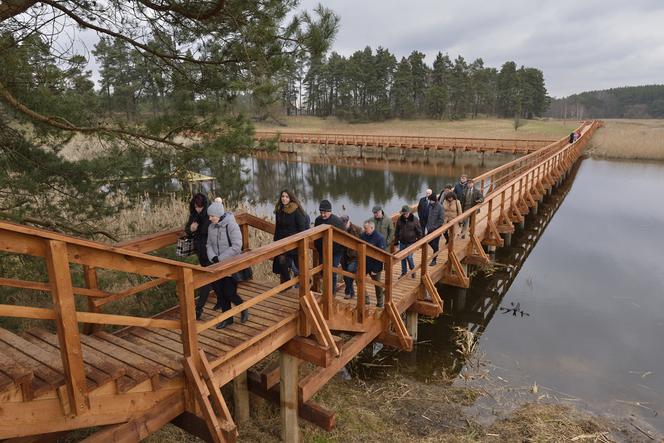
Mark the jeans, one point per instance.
(409, 259)
(434, 245)
(379, 290)
(350, 267)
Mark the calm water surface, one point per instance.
(590, 296)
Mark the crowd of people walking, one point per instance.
(216, 236)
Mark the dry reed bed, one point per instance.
(629, 140)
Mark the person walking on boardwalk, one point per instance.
(435, 221)
(408, 231)
(349, 258)
(451, 210)
(197, 228)
(383, 225)
(471, 197)
(326, 217)
(423, 210)
(448, 187)
(224, 241)
(374, 267)
(460, 186)
(290, 219)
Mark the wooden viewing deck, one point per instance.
(492, 145)
(170, 368)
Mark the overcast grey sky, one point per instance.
(580, 45)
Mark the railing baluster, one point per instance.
(91, 282)
(328, 290)
(64, 305)
(361, 279)
(388, 279)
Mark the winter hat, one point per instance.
(405, 209)
(344, 219)
(377, 208)
(325, 205)
(432, 198)
(216, 209)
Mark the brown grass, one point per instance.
(629, 139)
(482, 127)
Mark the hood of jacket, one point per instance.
(288, 209)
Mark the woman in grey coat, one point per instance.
(224, 241)
(434, 221)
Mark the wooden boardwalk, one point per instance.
(408, 142)
(170, 368)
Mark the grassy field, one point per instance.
(629, 140)
(482, 128)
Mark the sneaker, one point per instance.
(223, 324)
(244, 316)
(217, 308)
(348, 296)
(433, 262)
(402, 274)
(366, 301)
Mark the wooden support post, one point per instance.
(303, 251)
(64, 305)
(388, 279)
(361, 280)
(328, 290)
(244, 229)
(241, 398)
(189, 335)
(91, 282)
(288, 387)
(411, 324)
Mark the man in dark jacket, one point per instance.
(349, 259)
(435, 221)
(374, 267)
(460, 186)
(471, 197)
(326, 217)
(408, 231)
(383, 225)
(423, 210)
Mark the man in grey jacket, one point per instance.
(435, 221)
(224, 241)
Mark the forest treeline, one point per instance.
(374, 85)
(627, 102)
(366, 86)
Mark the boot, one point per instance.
(223, 324)
(244, 316)
(379, 299)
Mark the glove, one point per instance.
(215, 259)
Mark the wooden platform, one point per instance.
(134, 380)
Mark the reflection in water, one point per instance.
(352, 185)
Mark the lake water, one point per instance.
(579, 309)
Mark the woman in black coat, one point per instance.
(290, 219)
(197, 228)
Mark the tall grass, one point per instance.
(481, 127)
(629, 139)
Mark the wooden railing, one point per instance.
(408, 142)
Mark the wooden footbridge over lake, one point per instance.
(128, 382)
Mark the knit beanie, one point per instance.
(216, 209)
(325, 205)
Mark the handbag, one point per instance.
(184, 247)
(244, 274)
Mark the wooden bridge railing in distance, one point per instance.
(516, 146)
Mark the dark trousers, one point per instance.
(350, 267)
(434, 244)
(226, 290)
(423, 225)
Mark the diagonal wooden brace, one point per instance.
(404, 340)
(492, 236)
(453, 272)
(433, 292)
(315, 317)
(221, 431)
(475, 253)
